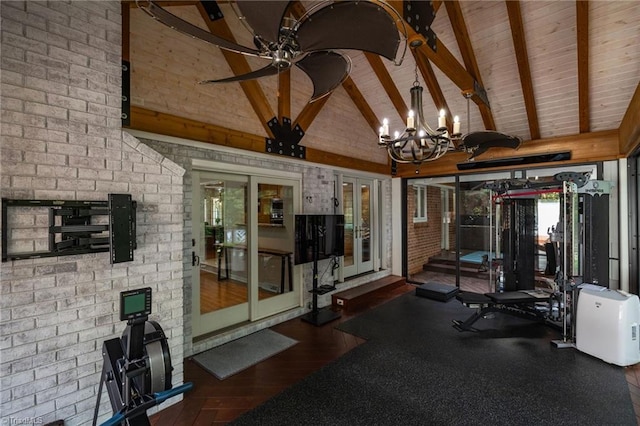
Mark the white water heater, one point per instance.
(607, 324)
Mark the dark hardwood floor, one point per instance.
(214, 402)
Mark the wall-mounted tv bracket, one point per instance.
(72, 229)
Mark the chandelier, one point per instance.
(419, 143)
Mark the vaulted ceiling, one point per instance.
(555, 73)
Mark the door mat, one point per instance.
(238, 355)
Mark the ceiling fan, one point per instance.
(309, 42)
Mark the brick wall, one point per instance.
(62, 139)
(423, 238)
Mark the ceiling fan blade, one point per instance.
(178, 24)
(358, 25)
(264, 17)
(262, 72)
(327, 70)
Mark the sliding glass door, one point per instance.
(220, 274)
(243, 229)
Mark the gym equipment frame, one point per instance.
(136, 367)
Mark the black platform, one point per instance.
(436, 291)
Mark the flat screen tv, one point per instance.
(326, 230)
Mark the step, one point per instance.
(451, 269)
(357, 296)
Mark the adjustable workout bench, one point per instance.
(521, 303)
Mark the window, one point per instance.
(420, 212)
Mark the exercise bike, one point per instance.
(136, 367)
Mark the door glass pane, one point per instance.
(349, 228)
(364, 230)
(223, 260)
(275, 236)
(477, 239)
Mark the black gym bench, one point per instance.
(523, 304)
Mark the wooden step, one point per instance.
(357, 296)
(446, 268)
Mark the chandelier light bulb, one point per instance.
(410, 120)
(442, 119)
(456, 125)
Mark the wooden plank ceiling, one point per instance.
(557, 74)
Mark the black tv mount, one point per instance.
(72, 230)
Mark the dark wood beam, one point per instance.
(166, 124)
(454, 11)
(630, 126)
(522, 58)
(444, 60)
(310, 112)
(584, 147)
(582, 33)
(284, 94)
(239, 65)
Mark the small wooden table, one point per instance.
(285, 259)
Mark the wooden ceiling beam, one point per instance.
(309, 113)
(522, 58)
(582, 33)
(239, 66)
(444, 60)
(166, 124)
(584, 147)
(388, 85)
(629, 140)
(284, 94)
(361, 104)
(454, 11)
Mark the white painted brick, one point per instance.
(44, 158)
(57, 393)
(35, 386)
(71, 352)
(47, 13)
(24, 93)
(22, 67)
(85, 162)
(18, 352)
(25, 43)
(94, 119)
(13, 380)
(57, 342)
(55, 368)
(33, 310)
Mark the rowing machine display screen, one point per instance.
(135, 304)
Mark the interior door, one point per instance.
(220, 274)
(357, 202)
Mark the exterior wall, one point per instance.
(62, 139)
(423, 238)
(317, 192)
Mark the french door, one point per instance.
(243, 229)
(358, 209)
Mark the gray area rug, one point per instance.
(231, 358)
(416, 369)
